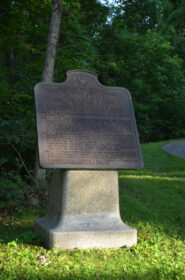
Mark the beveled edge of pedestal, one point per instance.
(115, 238)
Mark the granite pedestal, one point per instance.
(84, 212)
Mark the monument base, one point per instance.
(84, 212)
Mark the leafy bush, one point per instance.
(12, 190)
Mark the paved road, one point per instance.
(177, 149)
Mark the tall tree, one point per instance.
(49, 63)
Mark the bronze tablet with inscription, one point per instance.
(82, 124)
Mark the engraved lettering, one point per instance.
(86, 126)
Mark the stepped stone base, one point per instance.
(84, 212)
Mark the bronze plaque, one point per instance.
(82, 124)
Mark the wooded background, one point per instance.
(136, 44)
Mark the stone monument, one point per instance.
(86, 132)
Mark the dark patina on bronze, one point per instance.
(82, 124)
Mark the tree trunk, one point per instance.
(53, 36)
(48, 69)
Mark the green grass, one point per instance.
(151, 199)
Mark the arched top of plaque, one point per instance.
(83, 124)
(77, 71)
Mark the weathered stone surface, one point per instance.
(84, 125)
(84, 212)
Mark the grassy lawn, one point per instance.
(151, 199)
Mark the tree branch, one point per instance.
(21, 159)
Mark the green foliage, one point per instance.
(152, 68)
(11, 192)
(28, 237)
(151, 200)
(139, 45)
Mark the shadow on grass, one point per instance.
(154, 196)
(20, 227)
(18, 233)
(155, 200)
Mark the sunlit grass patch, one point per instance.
(141, 177)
